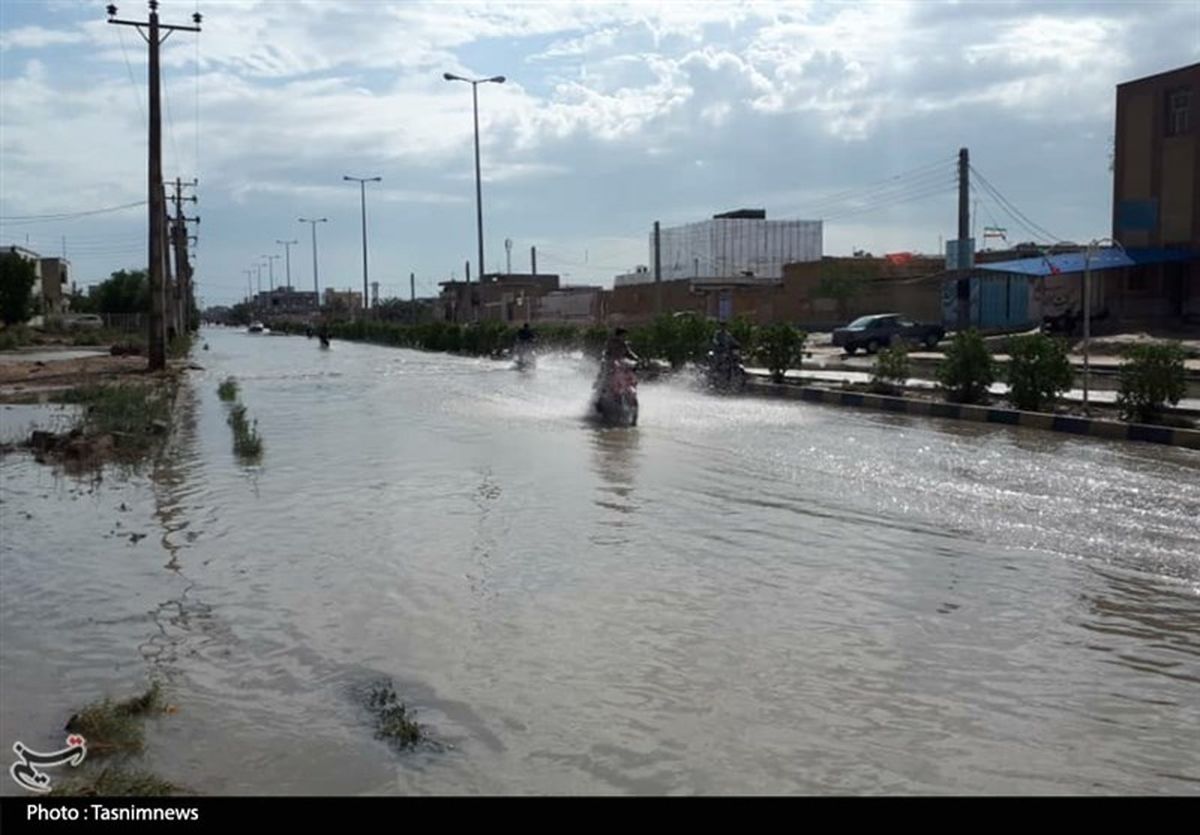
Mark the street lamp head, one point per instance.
(375, 179)
(449, 76)
(347, 178)
(196, 18)
(498, 79)
(112, 9)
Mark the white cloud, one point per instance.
(38, 37)
(604, 101)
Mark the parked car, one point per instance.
(81, 321)
(883, 330)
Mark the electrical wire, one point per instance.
(1011, 209)
(17, 220)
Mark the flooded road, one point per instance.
(738, 596)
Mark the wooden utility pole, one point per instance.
(154, 34)
(412, 296)
(183, 292)
(964, 205)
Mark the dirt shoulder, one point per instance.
(21, 379)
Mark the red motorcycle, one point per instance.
(615, 402)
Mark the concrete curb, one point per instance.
(1114, 430)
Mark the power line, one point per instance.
(136, 91)
(897, 181)
(170, 117)
(920, 194)
(1011, 209)
(23, 219)
(889, 198)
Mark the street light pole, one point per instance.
(1087, 312)
(362, 187)
(287, 259)
(496, 79)
(313, 223)
(271, 259)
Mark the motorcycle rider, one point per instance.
(617, 347)
(525, 340)
(723, 341)
(724, 349)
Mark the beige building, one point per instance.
(1156, 192)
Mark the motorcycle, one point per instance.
(724, 370)
(614, 401)
(525, 359)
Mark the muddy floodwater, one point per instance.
(737, 596)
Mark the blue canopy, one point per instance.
(1108, 258)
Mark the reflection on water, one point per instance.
(737, 596)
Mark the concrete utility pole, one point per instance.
(287, 259)
(362, 188)
(657, 271)
(313, 223)
(412, 296)
(249, 285)
(154, 37)
(533, 260)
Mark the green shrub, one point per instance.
(247, 443)
(1150, 377)
(228, 389)
(780, 347)
(1039, 371)
(891, 370)
(14, 336)
(746, 334)
(968, 369)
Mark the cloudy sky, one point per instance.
(613, 115)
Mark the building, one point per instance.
(815, 295)
(1156, 196)
(286, 301)
(581, 305)
(350, 300)
(499, 297)
(741, 243)
(51, 279)
(55, 279)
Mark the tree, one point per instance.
(780, 347)
(123, 292)
(891, 370)
(1038, 371)
(1150, 377)
(17, 277)
(968, 369)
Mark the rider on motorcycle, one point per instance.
(723, 341)
(617, 348)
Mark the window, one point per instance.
(1179, 111)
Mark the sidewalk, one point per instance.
(1188, 405)
(823, 356)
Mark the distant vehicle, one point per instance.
(255, 327)
(883, 330)
(82, 320)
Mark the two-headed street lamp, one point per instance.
(313, 223)
(362, 186)
(287, 259)
(1089, 253)
(475, 82)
